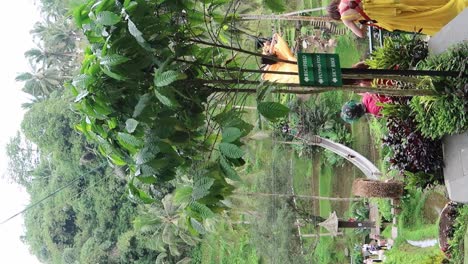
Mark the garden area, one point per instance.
(159, 141)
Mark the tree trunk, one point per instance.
(297, 89)
(283, 17)
(299, 196)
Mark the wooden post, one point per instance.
(356, 224)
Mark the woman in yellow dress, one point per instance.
(279, 48)
(405, 15)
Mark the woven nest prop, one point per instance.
(373, 188)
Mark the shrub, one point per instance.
(405, 51)
(411, 151)
(446, 114)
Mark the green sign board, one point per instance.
(319, 69)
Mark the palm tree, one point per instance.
(60, 34)
(47, 56)
(163, 225)
(41, 82)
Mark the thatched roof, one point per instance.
(331, 224)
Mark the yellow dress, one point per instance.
(282, 51)
(413, 15)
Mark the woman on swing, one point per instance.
(404, 15)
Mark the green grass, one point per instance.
(325, 185)
(384, 208)
(348, 51)
(302, 174)
(232, 247)
(414, 255)
(421, 232)
(413, 226)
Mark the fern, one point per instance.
(272, 110)
(113, 60)
(231, 134)
(107, 18)
(168, 77)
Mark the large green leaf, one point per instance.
(113, 75)
(230, 150)
(228, 170)
(80, 96)
(142, 103)
(201, 210)
(128, 141)
(146, 154)
(107, 18)
(189, 240)
(185, 260)
(82, 81)
(197, 226)
(183, 195)
(201, 187)
(147, 179)
(139, 194)
(113, 60)
(168, 77)
(22, 77)
(174, 250)
(272, 110)
(168, 235)
(132, 28)
(161, 258)
(166, 96)
(231, 134)
(275, 5)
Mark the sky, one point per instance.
(17, 19)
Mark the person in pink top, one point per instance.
(370, 104)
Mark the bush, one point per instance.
(446, 114)
(421, 180)
(405, 51)
(411, 151)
